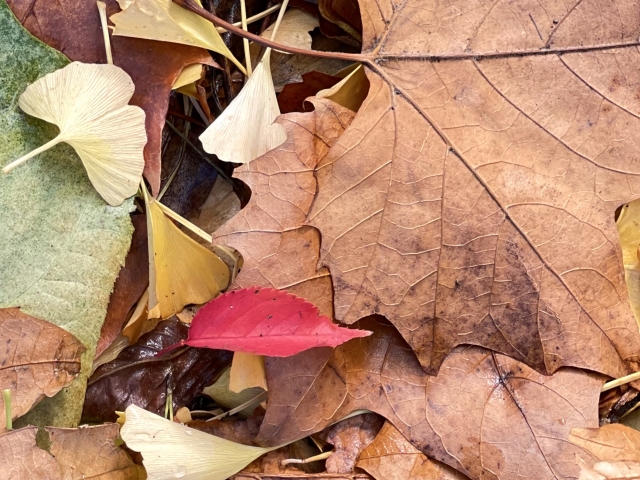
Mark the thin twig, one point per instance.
(102, 9)
(193, 6)
(621, 381)
(315, 458)
(6, 395)
(245, 42)
(254, 18)
(249, 403)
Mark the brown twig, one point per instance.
(198, 10)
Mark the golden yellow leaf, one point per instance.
(247, 371)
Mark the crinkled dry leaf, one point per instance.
(181, 271)
(267, 231)
(20, 458)
(610, 442)
(73, 27)
(164, 21)
(350, 437)
(485, 414)
(245, 130)
(138, 376)
(295, 29)
(89, 103)
(38, 360)
(176, 451)
(391, 457)
(472, 199)
(91, 452)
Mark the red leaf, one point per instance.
(267, 322)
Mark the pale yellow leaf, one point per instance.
(350, 92)
(188, 75)
(294, 29)
(89, 104)
(223, 396)
(247, 371)
(171, 450)
(628, 224)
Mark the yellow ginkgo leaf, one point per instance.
(247, 371)
(89, 104)
(172, 450)
(165, 21)
(181, 271)
(188, 75)
(245, 130)
(294, 30)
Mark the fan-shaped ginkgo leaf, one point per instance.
(165, 21)
(89, 104)
(181, 271)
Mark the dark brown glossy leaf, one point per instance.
(485, 414)
(131, 283)
(73, 27)
(138, 377)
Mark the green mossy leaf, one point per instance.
(61, 245)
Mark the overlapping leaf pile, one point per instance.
(455, 196)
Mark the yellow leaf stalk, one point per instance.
(164, 21)
(89, 104)
(172, 450)
(181, 271)
(245, 130)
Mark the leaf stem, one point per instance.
(193, 6)
(102, 9)
(621, 381)
(245, 42)
(6, 395)
(33, 153)
(254, 18)
(315, 458)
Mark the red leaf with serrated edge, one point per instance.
(265, 321)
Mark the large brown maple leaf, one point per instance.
(472, 199)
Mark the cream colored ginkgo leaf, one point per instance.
(181, 271)
(89, 104)
(245, 130)
(172, 450)
(294, 30)
(164, 21)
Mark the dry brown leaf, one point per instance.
(38, 359)
(485, 414)
(610, 442)
(350, 437)
(21, 459)
(391, 457)
(472, 199)
(92, 452)
(267, 231)
(345, 14)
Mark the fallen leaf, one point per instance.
(219, 207)
(391, 457)
(228, 399)
(267, 231)
(245, 129)
(129, 287)
(247, 372)
(265, 321)
(89, 104)
(345, 14)
(163, 20)
(472, 199)
(181, 271)
(294, 30)
(350, 92)
(38, 360)
(485, 414)
(177, 451)
(62, 247)
(73, 27)
(611, 471)
(293, 95)
(610, 442)
(188, 75)
(20, 458)
(73, 447)
(138, 377)
(350, 437)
